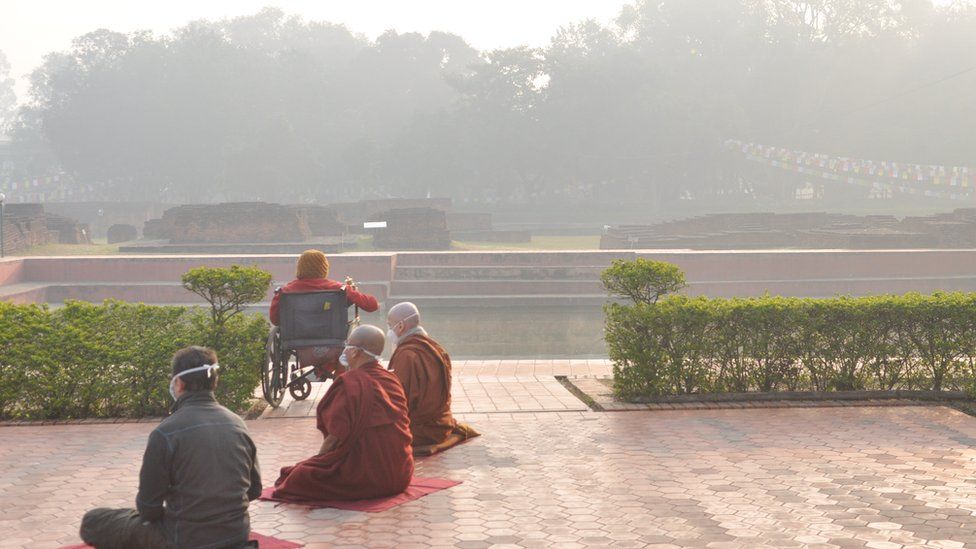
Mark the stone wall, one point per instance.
(234, 222)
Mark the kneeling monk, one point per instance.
(363, 418)
(424, 369)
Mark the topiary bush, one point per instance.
(113, 360)
(642, 280)
(228, 290)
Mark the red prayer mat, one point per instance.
(264, 542)
(419, 487)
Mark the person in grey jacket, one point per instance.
(199, 473)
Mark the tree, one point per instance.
(8, 100)
(227, 290)
(274, 107)
(642, 280)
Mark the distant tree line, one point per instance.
(273, 107)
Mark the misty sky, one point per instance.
(31, 28)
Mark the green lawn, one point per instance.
(95, 248)
(538, 242)
(364, 244)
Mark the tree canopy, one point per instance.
(274, 107)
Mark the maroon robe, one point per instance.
(424, 370)
(366, 410)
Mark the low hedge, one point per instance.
(87, 360)
(683, 345)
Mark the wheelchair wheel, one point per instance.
(273, 375)
(300, 388)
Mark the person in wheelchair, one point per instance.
(312, 275)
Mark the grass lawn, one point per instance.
(364, 244)
(538, 242)
(95, 248)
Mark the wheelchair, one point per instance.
(306, 320)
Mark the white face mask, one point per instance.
(208, 367)
(391, 334)
(344, 359)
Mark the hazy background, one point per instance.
(617, 108)
(30, 29)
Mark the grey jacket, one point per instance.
(199, 472)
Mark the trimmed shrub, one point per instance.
(228, 290)
(113, 360)
(686, 345)
(642, 280)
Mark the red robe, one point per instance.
(366, 302)
(424, 370)
(366, 410)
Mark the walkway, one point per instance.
(491, 386)
(836, 477)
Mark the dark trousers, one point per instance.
(121, 529)
(124, 529)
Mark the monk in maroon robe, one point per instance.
(424, 369)
(366, 450)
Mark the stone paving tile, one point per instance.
(533, 367)
(824, 477)
(485, 394)
(482, 386)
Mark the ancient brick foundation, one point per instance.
(27, 225)
(413, 229)
(120, 232)
(236, 222)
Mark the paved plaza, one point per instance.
(778, 477)
(491, 386)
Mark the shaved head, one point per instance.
(406, 313)
(368, 337)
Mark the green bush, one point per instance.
(686, 345)
(113, 360)
(642, 280)
(228, 290)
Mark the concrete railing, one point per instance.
(543, 275)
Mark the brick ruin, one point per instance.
(412, 229)
(121, 232)
(415, 224)
(818, 230)
(26, 226)
(243, 222)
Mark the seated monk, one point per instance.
(363, 418)
(424, 369)
(313, 268)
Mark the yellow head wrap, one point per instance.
(312, 264)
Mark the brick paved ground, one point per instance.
(469, 395)
(489, 386)
(829, 477)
